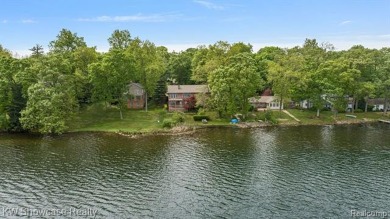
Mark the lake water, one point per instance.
(276, 172)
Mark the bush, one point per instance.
(178, 117)
(268, 116)
(201, 117)
(358, 111)
(201, 112)
(167, 123)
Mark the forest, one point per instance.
(41, 92)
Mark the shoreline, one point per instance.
(190, 129)
(185, 129)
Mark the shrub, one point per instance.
(201, 112)
(358, 111)
(167, 123)
(178, 117)
(269, 117)
(201, 117)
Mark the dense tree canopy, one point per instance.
(41, 92)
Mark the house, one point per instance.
(178, 95)
(378, 103)
(136, 96)
(265, 102)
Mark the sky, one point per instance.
(181, 24)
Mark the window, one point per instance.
(172, 95)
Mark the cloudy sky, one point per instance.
(180, 24)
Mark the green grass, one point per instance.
(99, 118)
(107, 119)
(327, 117)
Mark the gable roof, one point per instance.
(262, 99)
(193, 89)
(135, 89)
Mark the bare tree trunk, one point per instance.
(280, 104)
(385, 106)
(366, 104)
(353, 107)
(356, 103)
(146, 102)
(318, 112)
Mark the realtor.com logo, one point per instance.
(367, 214)
(41, 212)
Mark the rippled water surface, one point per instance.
(281, 172)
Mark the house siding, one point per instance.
(177, 94)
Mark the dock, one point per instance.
(384, 121)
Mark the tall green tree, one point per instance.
(12, 100)
(51, 101)
(383, 81)
(110, 77)
(66, 42)
(284, 74)
(149, 65)
(232, 85)
(120, 39)
(179, 66)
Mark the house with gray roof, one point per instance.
(179, 94)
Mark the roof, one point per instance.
(135, 89)
(187, 89)
(376, 101)
(136, 84)
(262, 99)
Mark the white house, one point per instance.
(378, 103)
(265, 102)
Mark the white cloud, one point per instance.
(209, 5)
(345, 23)
(28, 21)
(133, 18)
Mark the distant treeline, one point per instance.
(41, 92)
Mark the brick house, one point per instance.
(177, 95)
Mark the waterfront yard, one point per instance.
(107, 119)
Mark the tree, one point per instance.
(232, 85)
(111, 76)
(120, 39)
(179, 66)
(66, 42)
(189, 103)
(312, 81)
(149, 65)
(383, 81)
(12, 100)
(81, 58)
(37, 51)
(50, 103)
(284, 74)
(208, 59)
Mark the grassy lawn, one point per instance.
(99, 118)
(327, 117)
